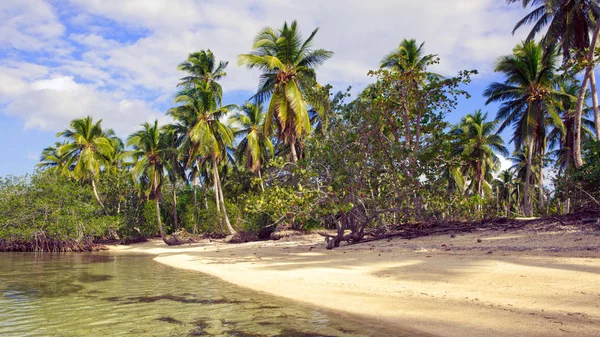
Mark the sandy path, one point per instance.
(522, 284)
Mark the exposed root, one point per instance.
(42, 243)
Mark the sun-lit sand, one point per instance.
(504, 284)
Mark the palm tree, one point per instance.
(528, 99)
(505, 184)
(256, 147)
(203, 71)
(51, 160)
(208, 136)
(287, 64)
(561, 139)
(521, 169)
(570, 23)
(200, 111)
(174, 167)
(407, 57)
(87, 148)
(151, 152)
(479, 142)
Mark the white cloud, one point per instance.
(50, 104)
(28, 25)
(505, 163)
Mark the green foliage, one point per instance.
(48, 203)
(385, 158)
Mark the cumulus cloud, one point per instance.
(50, 104)
(28, 25)
(119, 62)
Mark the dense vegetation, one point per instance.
(299, 156)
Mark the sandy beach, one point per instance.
(496, 283)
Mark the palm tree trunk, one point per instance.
(216, 185)
(581, 98)
(526, 194)
(156, 202)
(541, 190)
(219, 197)
(203, 187)
(479, 178)
(293, 148)
(175, 206)
(195, 211)
(595, 103)
(225, 217)
(96, 193)
(262, 185)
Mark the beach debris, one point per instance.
(168, 319)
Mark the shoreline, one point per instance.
(494, 283)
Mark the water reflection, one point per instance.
(107, 294)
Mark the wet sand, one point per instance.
(522, 283)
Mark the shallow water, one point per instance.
(116, 294)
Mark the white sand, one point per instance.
(475, 288)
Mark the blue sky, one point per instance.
(116, 60)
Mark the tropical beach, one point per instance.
(287, 169)
(523, 283)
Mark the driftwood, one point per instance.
(412, 231)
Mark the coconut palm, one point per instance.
(505, 184)
(561, 139)
(208, 135)
(254, 149)
(50, 159)
(408, 57)
(570, 22)
(203, 72)
(288, 66)
(174, 167)
(528, 98)
(478, 145)
(151, 153)
(87, 149)
(115, 160)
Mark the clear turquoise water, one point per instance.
(112, 294)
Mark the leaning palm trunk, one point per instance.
(595, 103)
(293, 148)
(262, 185)
(96, 193)
(581, 98)
(219, 200)
(175, 206)
(225, 217)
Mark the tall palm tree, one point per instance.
(407, 57)
(203, 72)
(288, 67)
(254, 149)
(200, 111)
(87, 148)
(151, 153)
(478, 144)
(528, 99)
(208, 135)
(570, 22)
